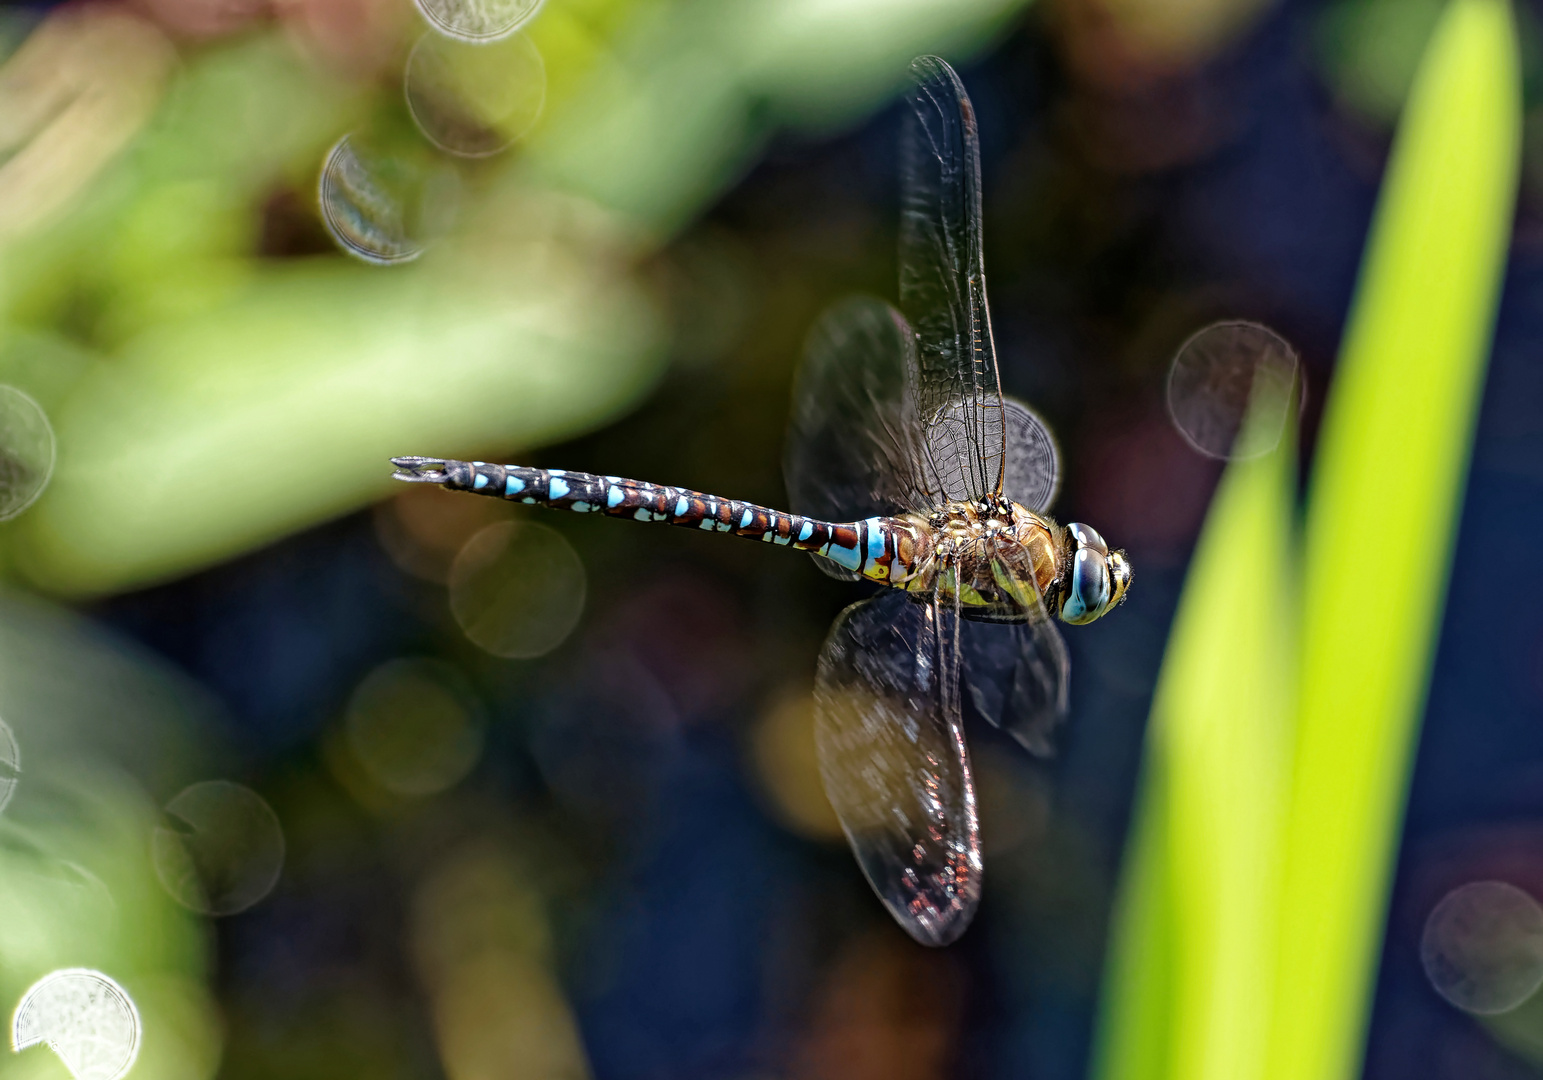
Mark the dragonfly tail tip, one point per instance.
(419, 470)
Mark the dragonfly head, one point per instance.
(1097, 579)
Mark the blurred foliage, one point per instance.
(244, 397)
(1372, 48)
(1254, 894)
(102, 739)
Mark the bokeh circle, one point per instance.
(474, 100)
(26, 451)
(381, 204)
(517, 589)
(478, 21)
(84, 1017)
(1222, 373)
(220, 849)
(414, 726)
(1482, 948)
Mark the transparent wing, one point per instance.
(1031, 470)
(943, 283)
(854, 442)
(892, 754)
(1018, 673)
(854, 445)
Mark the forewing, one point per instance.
(1018, 673)
(892, 754)
(854, 444)
(943, 283)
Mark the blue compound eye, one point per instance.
(1087, 591)
(1087, 537)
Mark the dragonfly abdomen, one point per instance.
(877, 548)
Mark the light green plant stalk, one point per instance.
(1253, 900)
(1188, 988)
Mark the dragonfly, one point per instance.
(905, 466)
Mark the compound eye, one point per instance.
(1087, 593)
(1087, 537)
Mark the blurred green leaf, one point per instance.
(680, 108)
(212, 434)
(1255, 889)
(103, 729)
(1382, 518)
(1371, 49)
(1187, 989)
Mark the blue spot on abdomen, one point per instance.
(875, 537)
(848, 557)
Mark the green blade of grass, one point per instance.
(1195, 920)
(1251, 907)
(1136, 1018)
(1383, 510)
(1223, 714)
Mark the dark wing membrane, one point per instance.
(943, 281)
(1032, 468)
(892, 754)
(854, 444)
(1018, 673)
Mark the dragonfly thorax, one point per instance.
(991, 555)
